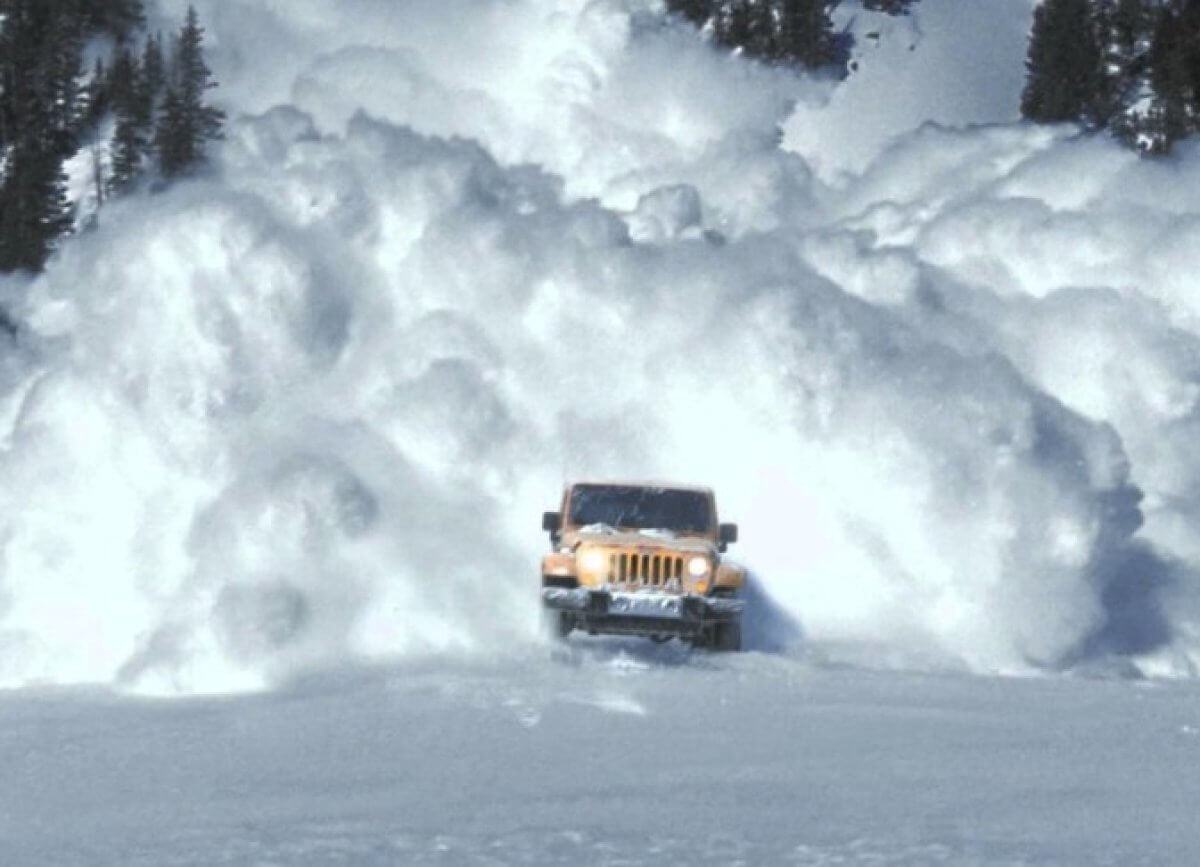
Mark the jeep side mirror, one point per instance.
(551, 522)
(728, 535)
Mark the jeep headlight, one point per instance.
(698, 567)
(592, 561)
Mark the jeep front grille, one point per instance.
(645, 570)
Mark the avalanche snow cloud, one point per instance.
(309, 406)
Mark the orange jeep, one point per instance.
(642, 559)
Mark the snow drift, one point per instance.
(309, 407)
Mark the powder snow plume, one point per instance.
(309, 406)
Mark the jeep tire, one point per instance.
(727, 636)
(557, 625)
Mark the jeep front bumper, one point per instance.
(615, 612)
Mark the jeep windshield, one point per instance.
(638, 508)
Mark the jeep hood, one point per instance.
(643, 540)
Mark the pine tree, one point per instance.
(128, 148)
(46, 111)
(41, 111)
(118, 18)
(124, 81)
(64, 101)
(806, 33)
(34, 210)
(130, 138)
(97, 94)
(797, 32)
(187, 123)
(40, 75)
(150, 82)
(1064, 64)
(1130, 22)
(1190, 25)
(22, 41)
(1172, 112)
(172, 138)
(764, 31)
(733, 25)
(1124, 28)
(696, 11)
(748, 25)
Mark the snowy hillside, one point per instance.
(942, 367)
(949, 63)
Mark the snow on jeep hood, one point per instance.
(642, 539)
(454, 253)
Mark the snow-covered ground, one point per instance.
(274, 444)
(612, 753)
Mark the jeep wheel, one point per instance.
(557, 624)
(727, 636)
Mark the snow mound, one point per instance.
(308, 408)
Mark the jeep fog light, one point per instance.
(592, 561)
(698, 567)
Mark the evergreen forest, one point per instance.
(83, 78)
(1128, 66)
(797, 32)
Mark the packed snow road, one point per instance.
(610, 752)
